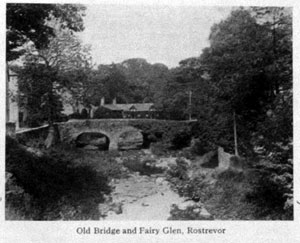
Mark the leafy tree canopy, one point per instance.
(30, 22)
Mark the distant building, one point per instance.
(133, 110)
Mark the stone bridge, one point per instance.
(111, 128)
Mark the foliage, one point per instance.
(164, 130)
(37, 95)
(145, 80)
(54, 183)
(143, 166)
(181, 139)
(69, 63)
(30, 22)
(76, 115)
(202, 146)
(100, 161)
(133, 80)
(102, 113)
(178, 171)
(272, 188)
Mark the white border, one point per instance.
(236, 231)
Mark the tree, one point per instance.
(72, 61)
(239, 60)
(51, 49)
(250, 62)
(67, 60)
(145, 80)
(39, 99)
(30, 22)
(115, 84)
(278, 22)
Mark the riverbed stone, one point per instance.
(204, 213)
(224, 159)
(159, 180)
(90, 147)
(186, 204)
(196, 210)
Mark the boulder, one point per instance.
(229, 162)
(166, 163)
(90, 147)
(187, 204)
(196, 210)
(204, 213)
(224, 159)
(34, 151)
(98, 141)
(159, 180)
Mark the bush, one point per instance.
(201, 146)
(179, 171)
(159, 149)
(76, 115)
(272, 189)
(54, 183)
(102, 113)
(181, 139)
(144, 167)
(172, 133)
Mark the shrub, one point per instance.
(202, 146)
(76, 115)
(159, 149)
(272, 189)
(179, 171)
(144, 167)
(54, 183)
(103, 112)
(181, 139)
(164, 131)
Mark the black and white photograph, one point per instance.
(148, 112)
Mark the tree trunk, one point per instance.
(51, 137)
(235, 136)
(7, 92)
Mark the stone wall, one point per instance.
(224, 159)
(228, 161)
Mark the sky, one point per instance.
(159, 34)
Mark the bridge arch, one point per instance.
(92, 140)
(130, 138)
(76, 133)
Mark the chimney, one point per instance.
(114, 101)
(102, 101)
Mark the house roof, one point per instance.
(127, 107)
